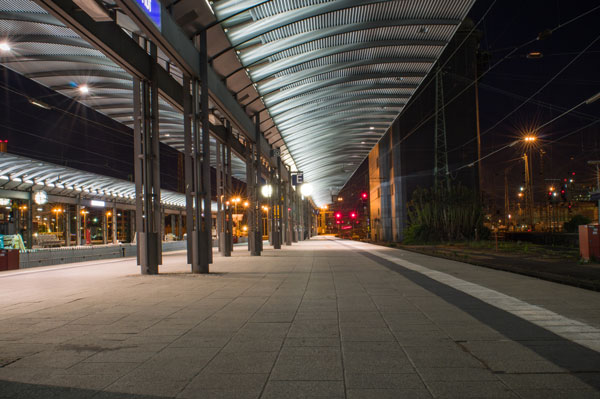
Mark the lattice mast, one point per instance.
(440, 170)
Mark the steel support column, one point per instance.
(295, 219)
(114, 223)
(180, 226)
(196, 237)
(220, 196)
(277, 205)
(67, 225)
(229, 189)
(254, 210)
(78, 223)
(206, 226)
(147, 173)
(287, 212)
(30, 221)
(174, 225)
(250, 176)
(271, 206)
(226, 236)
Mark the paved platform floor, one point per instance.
(323, 318)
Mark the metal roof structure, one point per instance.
(46, 51)
(24, 174)
(335, 74)
(330, 75)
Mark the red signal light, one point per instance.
(353, 215)
(364, 195)
(338, 215)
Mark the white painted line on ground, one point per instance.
(573, 330)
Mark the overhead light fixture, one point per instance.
(84, 89)
(39, 103)
(94, 10)
(306, 189)
(534, 55)
(5, 47)
(40, 197)
(266, 190)
(210, 4)
(372, 128)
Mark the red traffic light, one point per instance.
(353, 215)
(364, 195)
(338, 215)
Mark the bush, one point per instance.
(444, 214)
(417, 234)
(572, 226)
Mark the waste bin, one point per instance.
(12, 259)
(3, 260)
(589, 242)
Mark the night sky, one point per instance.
(508, 25)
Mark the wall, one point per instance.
(403, 160)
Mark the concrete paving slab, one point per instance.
(324, 318)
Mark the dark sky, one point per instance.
(510, 24)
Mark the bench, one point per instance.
(48, 241)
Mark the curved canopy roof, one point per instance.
(335, 74)
(24, 174)
(45, 50)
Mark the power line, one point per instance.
(491, 68)
(535, 94)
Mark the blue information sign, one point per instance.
(152, 10)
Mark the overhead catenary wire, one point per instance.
(535, 94)
(478, 78)
(511, 144)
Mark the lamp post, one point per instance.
(57, 211)
(597, 164)
(235, 201)
(84, 214)
(529, 141)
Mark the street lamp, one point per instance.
(57, 211)
(529, 140)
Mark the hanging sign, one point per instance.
(152, 10)
(297, 178)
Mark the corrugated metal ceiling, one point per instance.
(335, 74)
(45, 50)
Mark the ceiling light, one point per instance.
(38, 103)
(534, 55)
(84, 89)
(372, 128)
(4, 47)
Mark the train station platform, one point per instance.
(324, 318)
